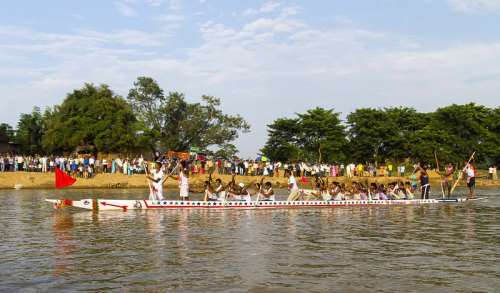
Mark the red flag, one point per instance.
(304, 180)
(63, 180)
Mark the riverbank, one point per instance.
(28, 180)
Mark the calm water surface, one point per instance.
(434, 248)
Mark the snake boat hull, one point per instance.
(128, 204)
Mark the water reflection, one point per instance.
(64, 243)
(424, 248)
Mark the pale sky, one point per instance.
(264, 59)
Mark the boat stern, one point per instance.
(62, 203)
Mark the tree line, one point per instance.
(147, 119)
(389, 134)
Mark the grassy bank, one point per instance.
(27, 180)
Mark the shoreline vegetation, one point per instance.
(35, 180)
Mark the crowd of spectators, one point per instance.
(78, 166)
(86, 166)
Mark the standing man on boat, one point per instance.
(184, 184)
(424, 181)
(471, 179)
(157, 178)
(293, 187)
(448, 177)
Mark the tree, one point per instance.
(282, 139)
(91, 116)
(6, 133)
(173, 123)
(468, 128)
(383, 134)
(367, 133)
(226, 151)
(322, 135)
(316, 135)
(29, 132)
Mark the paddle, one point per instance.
(440, 176)
(460, 174)
(170, 174)
(208, 187)
(259, 191)
(151, 194)
(229, 186)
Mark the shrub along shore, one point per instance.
(29, 180)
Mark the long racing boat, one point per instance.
(131, 204)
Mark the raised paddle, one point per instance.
(170, 174)
(460, 174)
(440, 176)
(149, 183)
(209, 183)
(259, 191)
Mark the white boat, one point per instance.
(130, 204)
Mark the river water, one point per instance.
(434, 248)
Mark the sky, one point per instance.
(264, 59)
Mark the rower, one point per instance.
(184, 184)
(382, 193)
(243, 193)
(232, 191)
(324, 192)
(393, 190)
(363, 192)
(183, 179)
(335, 191)
(157, 178)
(316, 192)
(471, 179)
(447, 178)
(220, 190)
(268, 192)
(210, 194)
(424, 181)
(293, 188)
(355, 191)
(408, 190)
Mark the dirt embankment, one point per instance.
(26, 180)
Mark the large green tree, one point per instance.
(30, 130)
(458, 130)
(376, 135)
(322, 135)
(92, 115)
(316, 135)
(173, 123)
(282, 140)
(6, 132)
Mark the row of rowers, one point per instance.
(357, 191)
(217, 191)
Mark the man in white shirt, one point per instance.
(156, 188)
(491, 171)
(471, 179)
(293, 187)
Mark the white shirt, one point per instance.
(293, 182)
(157, 187)
(470, 172)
